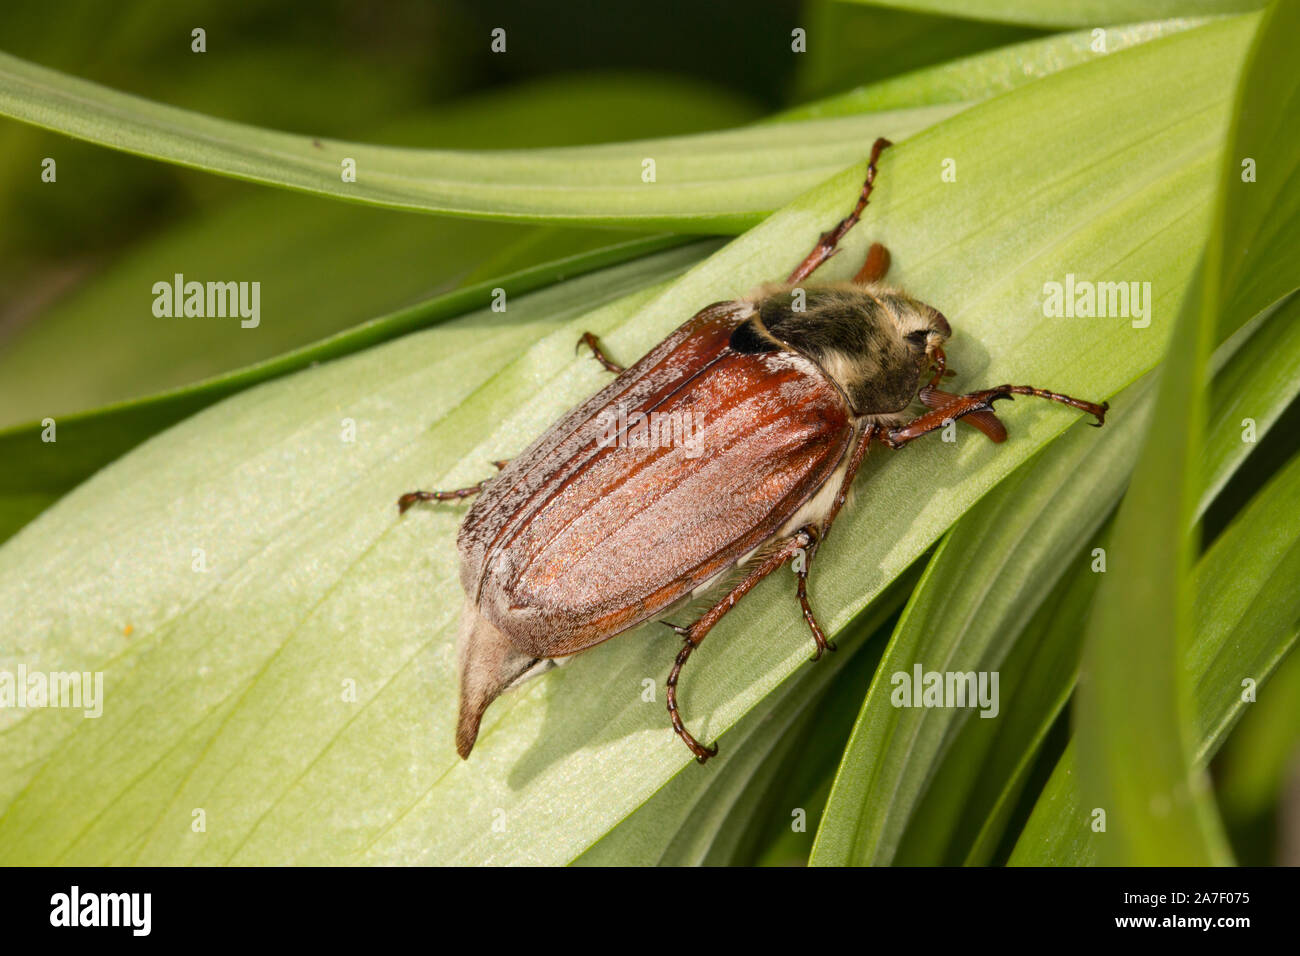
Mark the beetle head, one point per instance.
(876, 344)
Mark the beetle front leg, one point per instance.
(588, 339)
(695, 634)
(977, 402)
(411, 497)
(826, 244)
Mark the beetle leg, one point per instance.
(874, 269)
(825, 247)
(411, 497)
(981, 401)
(986, 422)
(695, 634)
(819, 636)
(593, 343)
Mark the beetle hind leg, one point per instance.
(702, 753)
(695, 634)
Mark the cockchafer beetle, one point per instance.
(581, 538)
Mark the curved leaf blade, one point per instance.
(715, 182)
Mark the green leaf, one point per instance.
(1250, 392)
(338, 265)
(1248, 613)
(1070, 13)
(1161, 813)
(1249, 372)
(1043, 666)
(1157, 809)
(322, 267)
(1258, 373)
(28, 366)
(1261, 202)
(970, 791)
(721, 182)
(228, 692)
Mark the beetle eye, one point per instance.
(918, 339)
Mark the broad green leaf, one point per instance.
(977, 594)
(229, 689)
(1070, 13)
(721, 182)
(1248, 613)
(1158, 809)
(320, 267)
(89, 441)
